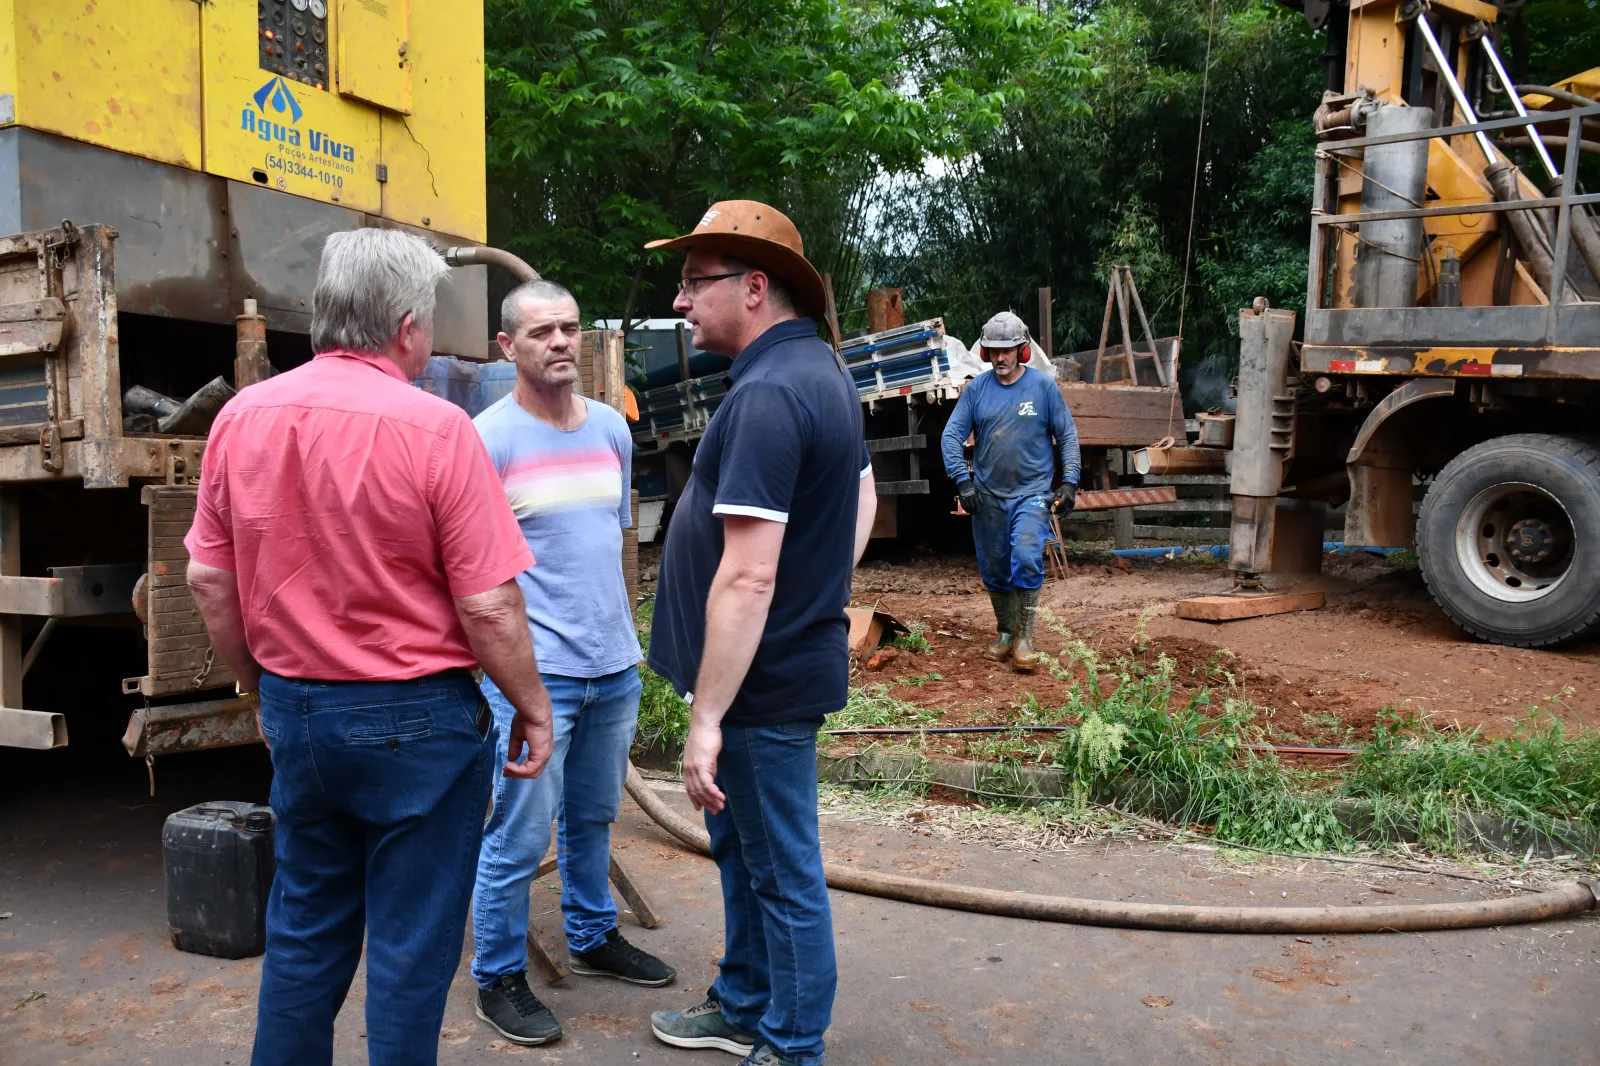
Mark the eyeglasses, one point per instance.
(690, 287)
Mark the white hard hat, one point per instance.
(1004, 330)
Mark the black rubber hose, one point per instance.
(1403, 918)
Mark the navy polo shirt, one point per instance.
(785, 445)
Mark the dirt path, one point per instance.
(1380, 642)
(88, 976)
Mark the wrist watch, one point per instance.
(248, 695)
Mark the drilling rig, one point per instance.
(169, 170)
(1451, 342)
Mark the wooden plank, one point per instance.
(168, 664)
(30, 338)
(178, 684)
(1094, 499)
(170, 637)
(1120, 432)
(1118, 401)
(1254, 605)
(39, 730)
(71, 429)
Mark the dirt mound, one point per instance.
(1319, 678)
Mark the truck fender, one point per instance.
(1379, 512)
(1414, 391)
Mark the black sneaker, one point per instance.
(620, 959)
(765, 1056)
(516, 1013)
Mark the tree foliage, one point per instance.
(614, 123)
(968, 151)
(1055, 199)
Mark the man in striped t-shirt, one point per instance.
(565, 462)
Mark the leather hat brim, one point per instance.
(798, 275)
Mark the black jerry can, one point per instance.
(219, 867)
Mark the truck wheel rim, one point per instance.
(1515, 542)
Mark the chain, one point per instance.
(205, 670)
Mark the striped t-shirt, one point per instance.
(569, 491)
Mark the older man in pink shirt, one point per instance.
(354, 557)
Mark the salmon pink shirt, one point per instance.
(353, 507)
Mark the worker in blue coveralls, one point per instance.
(1021, 427)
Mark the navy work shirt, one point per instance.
(1020, 429)
(785, 445)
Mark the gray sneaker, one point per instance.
(765, 1057)
(701, 1026)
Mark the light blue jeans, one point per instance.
(594, 724)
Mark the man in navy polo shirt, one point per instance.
(749, 624)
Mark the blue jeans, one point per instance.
(777, 971)
(594, 723)
(379, 788)
(1010, 535)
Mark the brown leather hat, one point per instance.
(762, 236)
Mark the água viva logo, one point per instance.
(274, 101)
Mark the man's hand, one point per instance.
(496, 624)
(534, 730)
(1065, 499)
(700, 753)
(968, 493)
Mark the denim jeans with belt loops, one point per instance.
(777, 972)
(379, 788)
(594, 722)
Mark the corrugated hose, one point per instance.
(1574, 898)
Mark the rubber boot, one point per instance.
(1023, 659)
(1005, 621)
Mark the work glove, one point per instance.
(1065, 498)
(968, 493)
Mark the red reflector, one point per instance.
(1346, 365)
(905, 389)
(1477, 369)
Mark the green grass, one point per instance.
(919, 680)
(914, 639)
(871, 706)
(663, 716)
(1140, 746)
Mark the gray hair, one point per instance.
(537, 289)
(369, 280)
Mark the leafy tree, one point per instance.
(613, 123)
(1059, 194)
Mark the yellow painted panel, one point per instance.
(1454, 181)
(1585, 84)
(435, 155)
(375, 51)
(117, 74)
(286, 135)
(8, 47)
(1376, 46)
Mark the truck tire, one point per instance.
(1509, 539)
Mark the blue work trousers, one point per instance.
(594, 721)
(1010, 536)
(379, 788)
(777, 972)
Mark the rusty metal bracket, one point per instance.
(51, 456)
(176, 727)
(177, 465)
